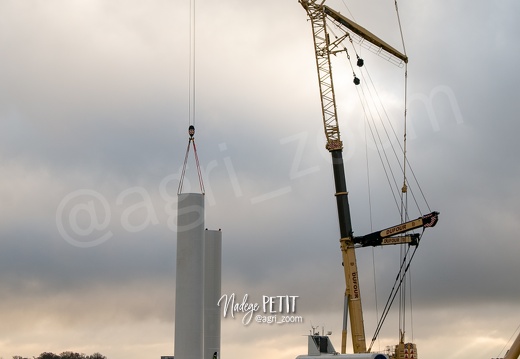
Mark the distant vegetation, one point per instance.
(64, 355)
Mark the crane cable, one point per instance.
(404, 190)
(404, 199)
(383, 156)
(375, 132)
(405, 167)
(406, 104)
(405, 266)
(191, 106)
(403, 208)
(191, 140)
(380, 148)
(507, 343)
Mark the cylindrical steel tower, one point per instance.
(212, 292)
(189, 291)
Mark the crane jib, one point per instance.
(364, 33)
(384, 237)
(400, 228)
(428, 220)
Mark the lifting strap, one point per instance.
(191, 140)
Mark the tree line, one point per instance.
(64, 355)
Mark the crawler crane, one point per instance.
(319, 14)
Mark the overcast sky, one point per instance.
(94, 100)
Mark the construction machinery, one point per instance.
(514, 351)
(324, 47)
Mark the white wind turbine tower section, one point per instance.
(198, 282)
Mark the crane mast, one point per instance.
(352, 300)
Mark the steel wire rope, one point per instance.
(404, 213)
(383, 157)
(389, 303)
(386, 309)
(374, 278)
(387, 117)
(381, 144)
(368, 176)
(401, 277)
(393, 293)
(191, 102)
(404, 192)
(403, 196)
(368, 183)
(380, 118)
(406, 96)
(507, 343)
(404, 200)
(346, 6)
(390, 123)
(400, 26)
(411, 302)
(191, 73)
(380, 148)
(410, 168)
(367, 122)
(402, 295)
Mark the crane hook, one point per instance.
(191, 130)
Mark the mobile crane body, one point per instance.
(318, 14)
